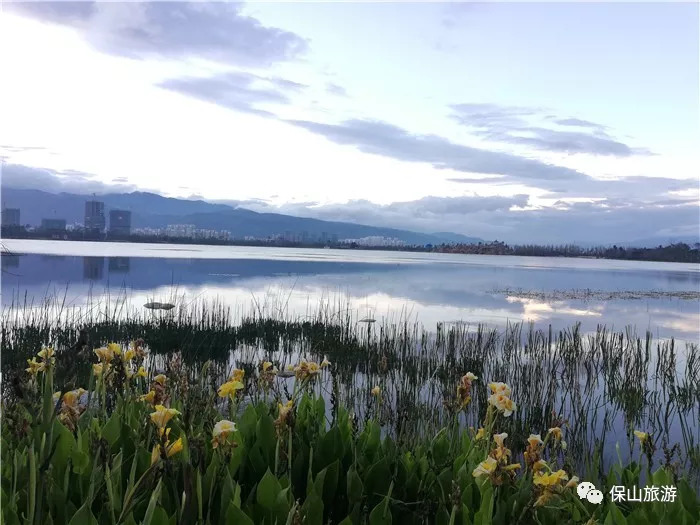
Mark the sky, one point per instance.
(547, 122)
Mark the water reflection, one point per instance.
(93, 268)
(119, 264)
(426, 291)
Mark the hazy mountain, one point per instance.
(156, 211)
(659, 240)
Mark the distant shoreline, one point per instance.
(675, 253)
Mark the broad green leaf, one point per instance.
(440, 448)
(355, 487)
(83, 516)
(112, 429)
(614, 517)
(235, 516)
(381, 514)
(266, 438)
(267, 491)
(312, 509)
(377, 478)
(160, 517)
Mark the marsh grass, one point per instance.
(600, 386)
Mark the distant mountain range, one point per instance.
(155, 211)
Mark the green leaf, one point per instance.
(688, 498)
(282, 505)
(160, 517)
(381, 514)
(65, 443)
(80, 461)
(485, 513)
(355, 487)
(614, 516)
(312, 510)
(440, 448)
(465, 515)
(235, 516)
(377, 478)
(268, 489)
(443, 517)
(228, 493)
(330, 448)
(83, 516)
(151, 509)
(266, 438)
(112, 429)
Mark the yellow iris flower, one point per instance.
(34, 366)
(229, 388)
(556, 433)
(162, 415)
(221, 431)
(104, 354)
(149, 398)
(46, 353)
(170, 450)
(549, 480)
(485, 468)
(71, 398)
(500, 388)
(641, 436)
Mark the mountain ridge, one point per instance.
(157, 211)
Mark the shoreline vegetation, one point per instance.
(273, 443)
(677, 252)
(392, 421)
(599, 295)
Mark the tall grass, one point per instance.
(603, 385)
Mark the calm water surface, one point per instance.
(427, 288)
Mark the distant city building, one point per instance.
(10, 218)
(95, 216)
(53, 225)
(180, 230)
(376, 240)
(120, 222)
(150, 232)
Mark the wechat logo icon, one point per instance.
(586, 490)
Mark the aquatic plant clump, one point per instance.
(598, 386)
(268, 448)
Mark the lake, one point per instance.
(384, 285)
(604, 385)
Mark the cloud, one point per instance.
(577, 122)
(239, 91)
(512, 125)
(217, 31)
(506, 218)
(384, 139)
(70, 181)
(335, 89)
